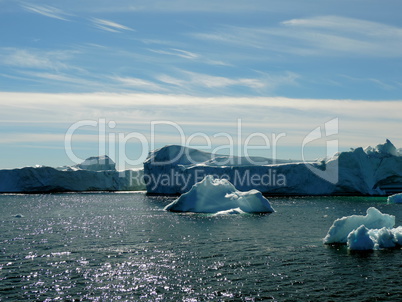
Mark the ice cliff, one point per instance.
(94, 174)
(175, 169)
(371, 171)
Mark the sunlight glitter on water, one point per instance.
(119, 247)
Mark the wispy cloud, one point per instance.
(37, 59)
(361, 122)
(47, 10)
(62, 77)
(177, 52)
(325, 35)
(198, 82)
(109, 25)
(138, 83)
(64, 81)
(189, 56)
(347, 25)
(211, 81)
(13, 138)
(370, 81)
(183, 6)
(348, 35)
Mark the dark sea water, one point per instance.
(125, 247)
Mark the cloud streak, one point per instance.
(177, 52)
(324, 36)
(188, 55)
(197, 81)
(35, 59)
(138, 83)
(109, 26)
(206, 6)
(47, 11)
(260, 108)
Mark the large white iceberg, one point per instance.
(373, 231)
(94, 174)
(371, 171)
(219, 196)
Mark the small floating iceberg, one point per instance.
(373, 231)
(219, 196)
(374, 219)
(396, 198)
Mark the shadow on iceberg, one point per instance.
(395, 198)
(221, 197)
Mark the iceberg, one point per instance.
(374, 219)
(373, 231)
(219, 196)
(94, 174)
(396, 198)
(359, 239)
(175, 169)
(374, 239)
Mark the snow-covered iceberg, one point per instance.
(396, 198)
(94, 174)
(374, 219)
(371, 171)
(373, 231)
(219, 196)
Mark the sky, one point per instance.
(125, 77)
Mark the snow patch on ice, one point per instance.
(219, 196)
(229, 212)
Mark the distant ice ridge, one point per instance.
(219, 196)
(94, 174)
(373, 231)
(93, 163)
(371, 171)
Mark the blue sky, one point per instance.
(278, 66)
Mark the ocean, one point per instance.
(125, 247)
